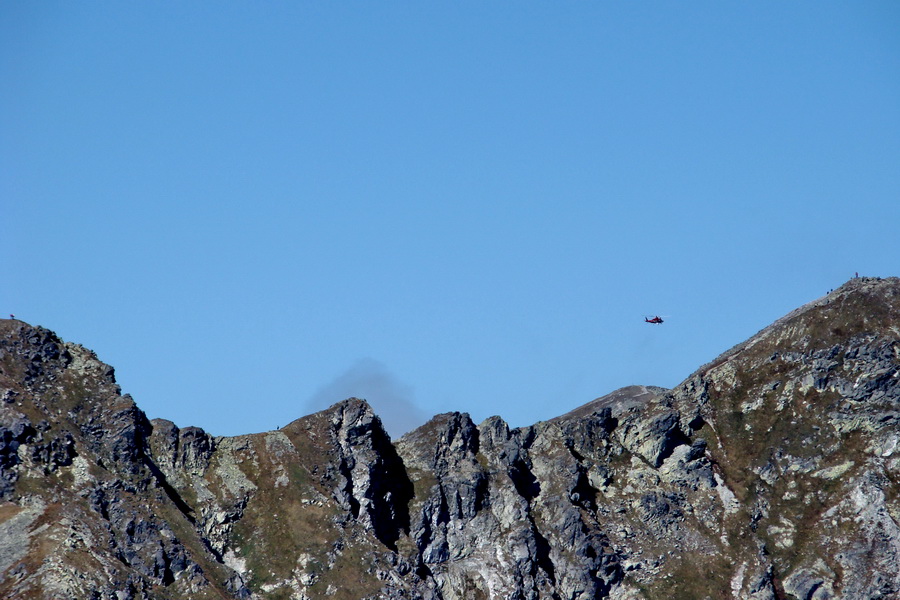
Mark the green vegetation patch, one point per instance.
(693, 576)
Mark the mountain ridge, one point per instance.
(770, 471)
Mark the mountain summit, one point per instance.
(772, 472)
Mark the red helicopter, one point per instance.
(657, 320)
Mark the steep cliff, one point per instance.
(769, 473)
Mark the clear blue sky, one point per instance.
(255, 210)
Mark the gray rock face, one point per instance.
(770, 473)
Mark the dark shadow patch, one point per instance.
(391, 492)
(524, 480)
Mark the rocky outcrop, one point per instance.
(800, 423)
(770, 473)
(86, 512)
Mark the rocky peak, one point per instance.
(769, 473)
